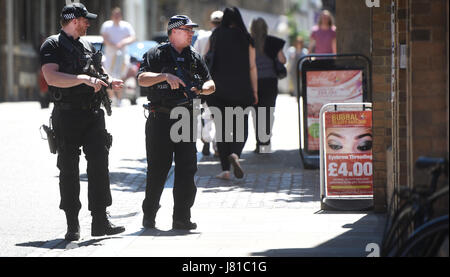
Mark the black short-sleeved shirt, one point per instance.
(160, 60)
(52, 51)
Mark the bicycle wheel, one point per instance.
(398, 232)
(427, 240)
(402, 193)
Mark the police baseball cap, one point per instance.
(180, 20)
(76, 10)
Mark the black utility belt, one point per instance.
(77, 106)
(165, 109)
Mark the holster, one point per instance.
(108, 140)
(51, 138)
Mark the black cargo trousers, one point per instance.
(161, 152)
(75, 129)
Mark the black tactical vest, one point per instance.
(74, 57)
(161, 93)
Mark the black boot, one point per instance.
(101, 225)
(183, 225)
(73, 227)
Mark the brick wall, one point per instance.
(382, 115)
(429, 91)
(420, 91)
(410, 99)
(368, 31)
(429, 85)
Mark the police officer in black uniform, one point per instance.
(78, 121)
(173, 71)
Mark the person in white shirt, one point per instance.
(203, 36)
(117, 34)
(202, 47)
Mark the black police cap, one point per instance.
(76, 10)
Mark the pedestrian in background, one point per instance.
(268, 49)
(117, 34)
(235, 74)
(323, 35)
(168, 69)
(201, 45)
(203, 36)
(78, 121)
(295, 53)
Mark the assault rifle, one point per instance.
(196, 82)
(94, 68)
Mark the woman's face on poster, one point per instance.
(349, 140)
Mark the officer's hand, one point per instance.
(117, 84)
(196, 90)
(174, 81)
(95, 83)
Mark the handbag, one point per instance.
(280, 69)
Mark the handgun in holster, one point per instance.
(51, 138)
(108, 140)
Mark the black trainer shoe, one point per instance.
(73, 233)
(184, 225)
(101, 226)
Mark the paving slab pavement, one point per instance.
(273, 211)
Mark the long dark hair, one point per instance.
(233, 18)
(258, 30)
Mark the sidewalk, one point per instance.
(273, 211)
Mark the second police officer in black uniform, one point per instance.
(78, 121)
(172, 70)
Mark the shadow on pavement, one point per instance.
(281, 160)
(125, 179)
(279, 172)
(357, 242)
(162, 233)
(63, 244)
(264, 173)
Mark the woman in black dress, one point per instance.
(233, 69)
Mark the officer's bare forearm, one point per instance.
(63, 80)
(209, 87)
(148, 79)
